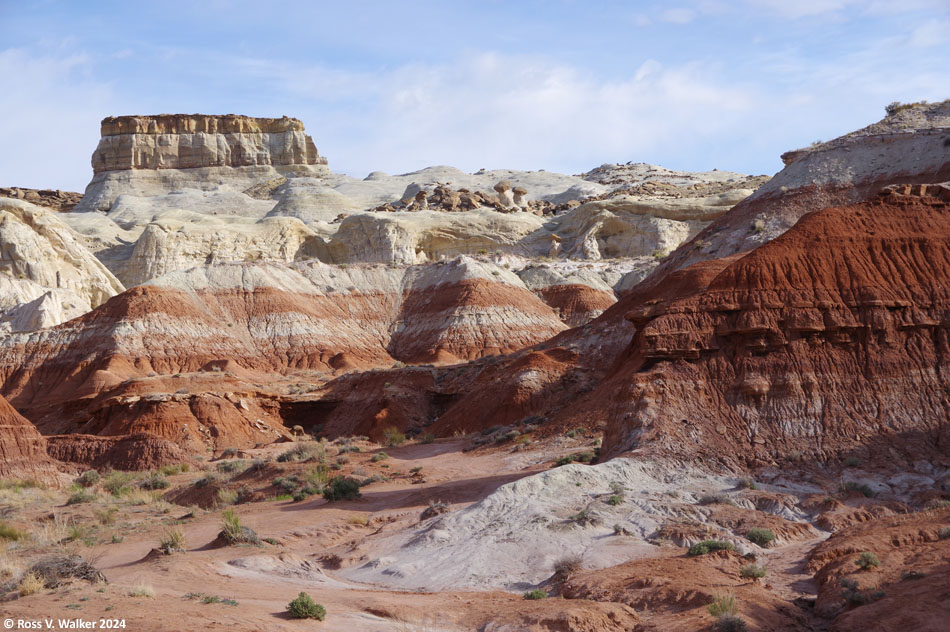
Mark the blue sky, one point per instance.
(397, 86)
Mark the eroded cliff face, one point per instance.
(272, 320)
(181, 141)
(832, 336)
(22, 448)
(46, 275)
(911, 146)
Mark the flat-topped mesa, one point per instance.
(198, 124)
(188, 141)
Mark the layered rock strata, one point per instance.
(832, 336)
(22, 448)
(46, 274)
(911, 145)
(152, 155)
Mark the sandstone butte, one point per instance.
(698, 356)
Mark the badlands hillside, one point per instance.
(629, 399)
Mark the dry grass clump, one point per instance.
(30, 584)
(142, 590)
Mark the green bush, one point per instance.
(427, 437)
(707, 546)
(944, 533)
(303, 607)
(228, 467)
(852, 594)
(867, 560)
(88, 478)
(537, 593)
(762, 537)
(393, 437)
(577, 457)
(752, 571)
(10, 533)
(79, 497)
(379, 456)
(154, 481)
(117, 483)
(342, 488)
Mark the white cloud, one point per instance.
(49, 119)
(678, 16)
(493, 110)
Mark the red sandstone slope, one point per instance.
(22, 448)
(262, 320)
(909, 146)
(833, 335)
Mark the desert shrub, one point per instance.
(568, 565)
(88, 478)
(867, 561)
(142, 590)
(106, 516)
(723, 605)
(715, 499)
(584, 517)
(304, 452)
(730, 623)
(227, 496)
(615, 499)
(171, 470)
(379, 456)
(511, 435)
(10, 533)
(852, 461)
(752, 571)
(537, 593)
(427, 437)
(30, 584)
(117, 483)
(229, 467)
(393, 437)
(748, 483)
(154, 481)
(233, 532)
(435, 508)
(58, 569)
(303, 607)
(415, 470)
(80, 496)
(707, 546)
(172, 542)
(852, 486)
(762, 537)
(342, 488)
(852, 594)
(208, 479)
(944, 533)
(577, 457)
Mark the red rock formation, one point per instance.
(907, 147)
(22, 448)
(833, 335)
(139, 451)
(256, 322)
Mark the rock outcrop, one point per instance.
(152, 155)
(830, 337)
(909, 146)
(46, 275)
(22, 448)
(182, 141)
(271, 319)
(134, 452)
(49, 198)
